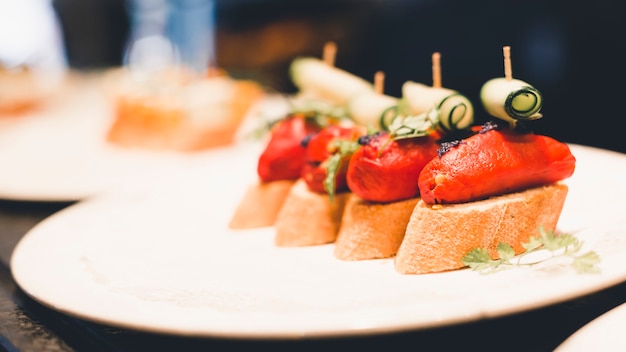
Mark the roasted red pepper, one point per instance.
(386, 170)
(284, 155)
(320, 148)
(492, 163)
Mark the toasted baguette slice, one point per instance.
(308, 218)
(439, 236)
(260, 204)
(372, 230)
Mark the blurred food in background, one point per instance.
(177, 109)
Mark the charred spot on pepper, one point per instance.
(366, 139)
(305, 141)
(447, 146)
(488, 126)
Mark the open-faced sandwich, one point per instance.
(279, 167)
(500, 185)
(312, 212)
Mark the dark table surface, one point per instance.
(26, 325)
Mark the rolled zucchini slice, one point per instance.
(421, 98)
(313, 76)
(366, 109)
(511, 99)
(455, 112)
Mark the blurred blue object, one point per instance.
(167, 32)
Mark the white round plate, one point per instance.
(163, 260)
(604, 333)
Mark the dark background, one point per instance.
(571, 51)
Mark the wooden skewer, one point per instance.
(436, 70)
(379, 82)
(508, 71)
(330, 51)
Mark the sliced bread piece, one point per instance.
(260, 204)
(439, 236)
(308, 218)
(372, 230)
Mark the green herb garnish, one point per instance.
(559, 245)
(402, 125)
(343, 149)
(411, 126)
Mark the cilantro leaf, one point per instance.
(559, 245)
(505, 251)
(585, 263)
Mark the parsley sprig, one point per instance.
(559, 245)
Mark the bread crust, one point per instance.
(308, 218)
(439, 236)
(260, 204)
(372, 230)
